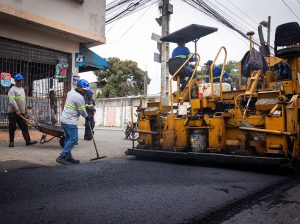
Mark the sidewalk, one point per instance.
(104, 128)
(109, 142)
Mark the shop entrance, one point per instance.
(44, 86)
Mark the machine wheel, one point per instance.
(62, 141)
(133, 136)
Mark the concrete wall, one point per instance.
(86, 20)
(115, 112)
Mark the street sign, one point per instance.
(157, 57)
(156, 37)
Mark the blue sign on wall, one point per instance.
(5, 79)
(79, 60)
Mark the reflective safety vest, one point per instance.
(74, 107)
(17, 97)
(89, 105)
(16, 100)
(181, 56)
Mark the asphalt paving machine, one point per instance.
(256, 122)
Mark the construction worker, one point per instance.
(181, 51)
(90, 109)
(216, 73)
(74, 107)
(17, 107)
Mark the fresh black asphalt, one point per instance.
(123, 191)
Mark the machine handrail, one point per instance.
(175, 76)
(222, 73)
(194, 72)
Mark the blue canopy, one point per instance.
(92, 61)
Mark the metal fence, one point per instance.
(45, 94)
(39, 108)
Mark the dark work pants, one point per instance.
(88, 134)
(183, 78)
(13, 120)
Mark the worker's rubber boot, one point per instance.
(11, 144)
(27, 139)
(11, 133)
(72, 160)
(62, 159)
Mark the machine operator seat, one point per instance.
(174, 65)
(287, 35)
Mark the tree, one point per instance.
(123, 78)
(233, 68)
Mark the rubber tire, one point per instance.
(135, 136)
(62, 141)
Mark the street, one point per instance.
(122, 191)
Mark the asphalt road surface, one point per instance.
(123, 191)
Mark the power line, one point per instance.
(138, 19)
(224, 13)
(119, 9)
(236, 15)
(238, 24)
(205, 8)
(290, 9)
(244, 13)
(298, 2)
(119, 14)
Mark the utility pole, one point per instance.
(145, 83)
(165, 19)
(269, 30)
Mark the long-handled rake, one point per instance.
(97, 157)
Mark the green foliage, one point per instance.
(98, 95)
(123, 78)
(233, 68)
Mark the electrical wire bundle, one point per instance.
(118, 9)
(210, 10)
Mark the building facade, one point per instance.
(48, 41)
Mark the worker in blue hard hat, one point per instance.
(181, 51)
(90, 109)
(73, 108)
(17, 107)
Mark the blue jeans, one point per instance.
(71, 137)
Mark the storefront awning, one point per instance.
(92, 61)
